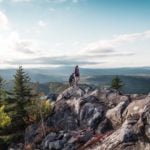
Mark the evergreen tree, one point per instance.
(1, 82)
(22, 92)
(116, 83)
(3, 92)
(1, 88)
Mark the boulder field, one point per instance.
(85, 118)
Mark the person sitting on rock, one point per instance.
(72, 79)
(77, 75)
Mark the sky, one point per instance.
(88, 33)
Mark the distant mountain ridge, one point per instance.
(136, 80)
(60, 74)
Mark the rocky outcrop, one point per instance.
(86, 118)
(133, 133)
(76, 109)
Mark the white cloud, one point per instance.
(18, 50)
(3, 21)
(100, 46)
(14, 47)
(42, 23)
(24, 46)
(75, 43)
(146, 34)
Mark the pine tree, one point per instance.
(1, 88)
(116, 83)
(3, 92)
(22, 92)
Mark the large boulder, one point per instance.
(144, 121)
(63, 117)
(91, 114)
(136, 107)
(115, 114)
(72, 92)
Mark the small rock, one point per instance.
(72, 140)
(56, 145)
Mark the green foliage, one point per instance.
(38, 109)
(22, 93)
(1, 83)
(22, 88)
(8, 139)
(5, 120)
(45, 106)
(116, 83)
(2, 91)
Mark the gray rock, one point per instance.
(30, 133)
(104, 126)
(56, 145)
(136, 107)
(91, 114)
(86, 136)
(123, 135)
(63, 117)
(72, 140)
(71, 92)
(144, 122)
(49, 138)
(115, 114)
(66, 137)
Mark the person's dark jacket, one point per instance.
(77, 73)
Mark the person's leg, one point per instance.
(73, 82)
(77, 81)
